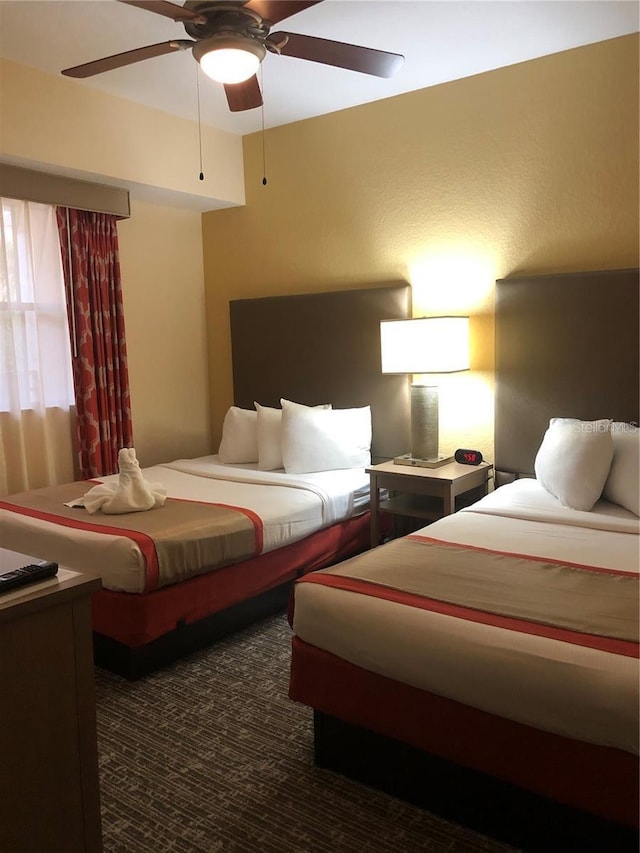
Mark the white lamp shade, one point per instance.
(425, 345)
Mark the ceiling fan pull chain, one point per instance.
(201, 175)
(264, 159)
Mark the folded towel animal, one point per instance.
(130, 493)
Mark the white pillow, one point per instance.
(574, 459)
(325, 440)
(269, 454)
(269, 430)
(239, 436)
(622, 486)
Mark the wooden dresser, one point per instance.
(50, 798)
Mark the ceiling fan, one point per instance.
(230, 38)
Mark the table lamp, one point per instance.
(417, 346)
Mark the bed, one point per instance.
(232, 534)
(486, 666)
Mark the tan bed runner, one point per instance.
(570, 598)
(180, 539)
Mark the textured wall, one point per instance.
(161, 260)
(529, 168)
(59, 124)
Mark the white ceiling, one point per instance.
(441, 41)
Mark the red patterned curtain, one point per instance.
(90, 259)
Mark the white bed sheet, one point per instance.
(572, 690)
(290, 506)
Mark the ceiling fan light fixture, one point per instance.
(229, 59)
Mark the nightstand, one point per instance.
(426, 494)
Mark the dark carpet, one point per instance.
(211, 755)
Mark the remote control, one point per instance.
(27, 574)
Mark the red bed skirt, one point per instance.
(135, 619)
(597, 779)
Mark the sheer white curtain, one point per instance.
(36, 385)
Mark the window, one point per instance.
(35, 357)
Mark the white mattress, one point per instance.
(572, 690)
(290, 507)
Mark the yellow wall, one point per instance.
(163, 294)
(531, 168)
(65, 126)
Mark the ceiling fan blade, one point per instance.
(118, 60)
(169, 10)
(243, 96)
(277, 10)
(367, 60)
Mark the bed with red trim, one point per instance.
(504, 693)
(516, 619)
(312, 348)
(226, 535)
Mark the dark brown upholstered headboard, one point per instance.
(323, 348)
(566, 346)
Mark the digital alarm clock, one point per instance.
(468, 457)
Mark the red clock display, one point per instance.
(468, 457)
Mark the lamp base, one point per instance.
(408, 459)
